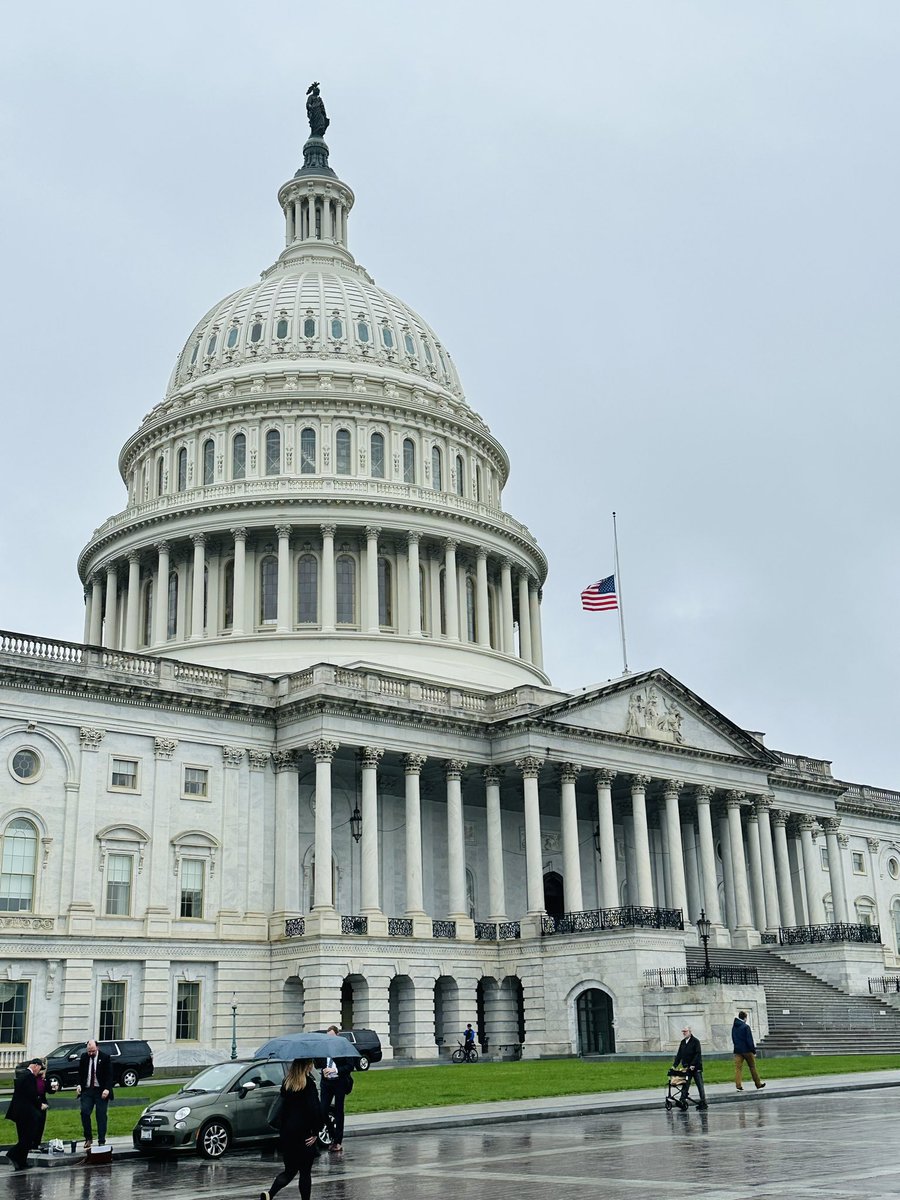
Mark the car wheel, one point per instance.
(213, 1139)
(326, 1135)
(54, 1083)
(129, 1078)
(363, 1064)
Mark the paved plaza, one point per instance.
(828, 1147)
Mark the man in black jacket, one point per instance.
(690, 1058)
(337, 1083)
(25, 1109)
(95, 1090)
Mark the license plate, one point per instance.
(146, 1135)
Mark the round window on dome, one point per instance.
(894, 868)
(231, 341)
(387, 337)
(362, 331)
(410, 344)
(211, 344)
(256, 331)
(25, 765)
(337, 328)
(309, 327)
(281, 328)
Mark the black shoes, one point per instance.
(702, 1107)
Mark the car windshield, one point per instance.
(213, 1079)
(66, 1049)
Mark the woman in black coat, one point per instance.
(300, 1123)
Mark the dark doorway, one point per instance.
(554, 901)
(346, 1005)
(594, 1011)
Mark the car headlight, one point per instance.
(180, 1124)
(182, 1113)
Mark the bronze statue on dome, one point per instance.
(315, 111)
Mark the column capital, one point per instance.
(323, 749)
(568, 772)
(258, 759)
(239, 533)
(873, 844)
(413, 763)
(752, 815)
(199, 539)
(830, 824)
(283, 531)
(450, 545)
(671, 787)
(604, 776)
(805, 822)
(91, 738)
(111, 568)
(413, 537)
(373, 532)
(481, 552)
(454, 767)
(704, 793)
(492, 775)
(764, 802)
(530, 766)
(161, 546)
(164, 748)
(779, 816)
(232, 756)
(735, 798)
(371, 756)
(640, 783)
(284, 760)
(328, 530)
(134, 556)
(505, 562)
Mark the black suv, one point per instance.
(367, 1042)
(131, 1061)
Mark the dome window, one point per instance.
(337, 328)
(182, 469)
(256, 331)
(385, 594)
(211, 345)
(268, 590)
(307, 452)
(309, 327)
(273, 452)
(429, 357)
(307, 590)
(410, 345)
(342, 451)
(409, 461)
(345, 590)
(387, 338)
(281, 329)
(376, 455)
(239, 456)
(209, 461)
(172, 606)
(362, 331)
(460, 476)
(231, 340)
(437, 469)
(196, 352)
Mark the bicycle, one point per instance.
(465, 1053)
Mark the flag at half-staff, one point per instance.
(600, 595)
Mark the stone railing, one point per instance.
(667, 977)
(805, 766)
(598, 919)
(800, 935)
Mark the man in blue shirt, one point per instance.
(744, 1052)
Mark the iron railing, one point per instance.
(295, 927)
(631, 917)
(443, 929)
(835, 932)
(354, 924)
(690, 976)
(400, 927)
(493, 931)
(883, 985)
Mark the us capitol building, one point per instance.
(307, 764)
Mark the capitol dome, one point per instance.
(314, 487)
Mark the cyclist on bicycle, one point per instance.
(469, 1039)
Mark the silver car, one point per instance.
(225, 1105)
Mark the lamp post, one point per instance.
(703, 924)
(233, 1026)
(597, 840)
(356, 824)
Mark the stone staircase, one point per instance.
(807, 1015)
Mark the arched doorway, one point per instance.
(594, 1013)
(554, 896)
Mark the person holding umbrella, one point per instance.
(337, 1083)
(299, 1122)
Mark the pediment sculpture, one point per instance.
(651, 715)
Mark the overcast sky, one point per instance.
(660, 240)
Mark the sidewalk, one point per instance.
(451, 1116)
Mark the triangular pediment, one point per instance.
(654, 707)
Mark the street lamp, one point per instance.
(356, 823)
(233, 1026)
(597, 839)
(703, 924)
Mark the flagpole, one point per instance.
(621, 600)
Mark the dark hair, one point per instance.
(742, 1016)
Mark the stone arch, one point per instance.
(447, 1014)
(355, 1002)
(865, 910)
(293, 1006)
(33, 734)
(554, 894)
(590, 1010)
(506, 1029)
(402, 1015)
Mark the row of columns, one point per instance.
(101, 603)
(302, 224)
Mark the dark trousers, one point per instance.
(333, 1097)
(695, 1074)
(91, 1098)
(25, 1130)
(297, 1161)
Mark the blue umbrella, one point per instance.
(307, 1045)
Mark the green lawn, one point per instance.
(422, 1087)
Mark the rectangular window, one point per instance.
(192, 888)
(823, 850)
(119, 871)
(196, 783)
(13, 1013)
(123, 775)
(859, 863)
(187, 1012)
(112, 1011)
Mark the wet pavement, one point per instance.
(840, 1146)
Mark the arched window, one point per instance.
(437, 469)
(492, 616)
(443, 594)
(470, 608)
(239, 456)
(376, 455)
(273, 452)
(182, 469)
(345, 589)
(342, 452)
(409, 460)
(209, 461)
(268, 590)
(460, 476)
(160, 476)
(172, 605)
(479, 490)
(424, 611)
(307, 452)
(385, 602)
(147, 614)
(228, 597)
(308, 590)
(17, 866)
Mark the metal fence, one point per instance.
(884, 985)
(835, 932)
(598, 919)
(690, 976)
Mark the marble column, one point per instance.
(413, 584)
(691, 873)
(373, 532)
(323, 750)
(730, 914)
(482, 620)
(758, 903)
(88, 601)
(451, 590)
(574, 900)
(609, 881)
(415, 905)
(197, 591)
(530, 766)
(811, 871)
(671, 788)
(328, 608)
(112, 606)
(161, 596)
(287, 833)
(734, 801)
(831, 825)
(884, 920)
(707, 846)
(284, 616)
(783, 867)
(96, 632)
(133, 602)
(537, 639)
(525, 648)
(767, 853)
(639, 784)
(496, 878)
(239, 616)
(456, 844)
(507, 636)
(370, 899)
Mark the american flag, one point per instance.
(600, 595)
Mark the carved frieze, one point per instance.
(164, 748)
(91, 738)
(653, 716)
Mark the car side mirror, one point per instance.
(73, 1057)
(249, 1086)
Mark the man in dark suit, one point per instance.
(337, 1083)
(95, 1090)
(25, 1109)
(690, 1058)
